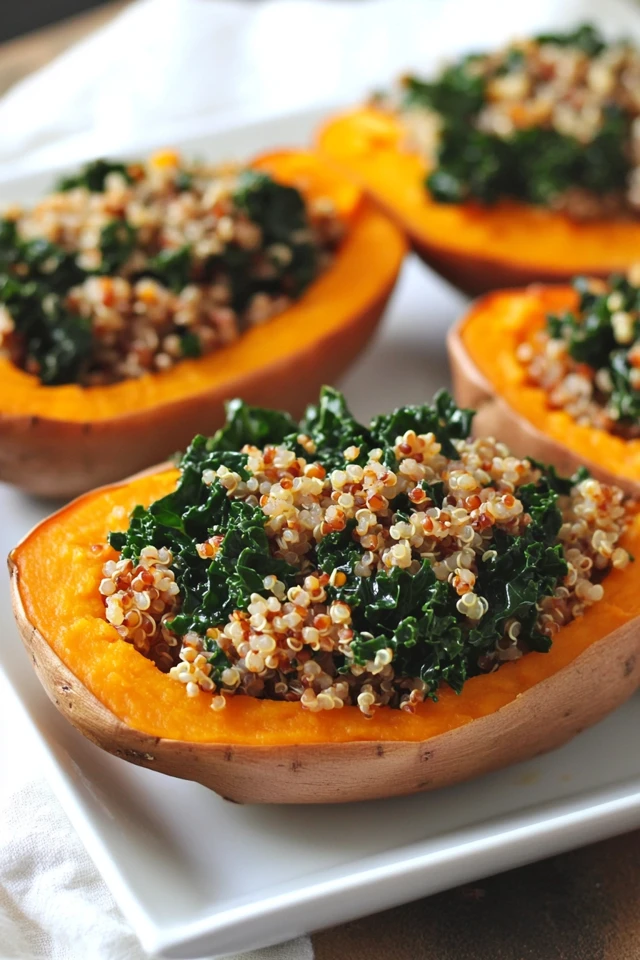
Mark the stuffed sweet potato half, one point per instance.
(556, 372)
(324, 611)
(136, 298)
(510, 167)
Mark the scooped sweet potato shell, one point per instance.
(488, 377)
(477, 248)
(261, 751)
(62, 440)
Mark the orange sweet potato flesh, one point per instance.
(61, 440)
(57, 569)
(488, 376)
(477, 248)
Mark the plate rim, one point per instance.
(554, 832)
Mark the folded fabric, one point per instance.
(162, 64)
(53, 903)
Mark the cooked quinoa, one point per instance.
(127, 269)
(588, 361)
(551, 120)
(330, 563)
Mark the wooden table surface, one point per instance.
(24, 55)
(582, 905)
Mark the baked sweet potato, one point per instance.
(488, 376)
(478, 248)
(60, 440)
(271, 751)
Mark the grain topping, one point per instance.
(331, 563)
(552, 120)
(587, 360)
(128, 269)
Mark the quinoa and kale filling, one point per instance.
(550, 120)
(127, 269)
(587, 360)
(334, 563)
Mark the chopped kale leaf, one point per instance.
(457, 94)
(33, 276)
(442, 418)
(535, 164)
(190, 345)
(532, 165)
(332, 428)
(58, 342)
(281, 214)
(117, 243)
(183, 180)
(590, 338)
(585, 37)
(171, 267)
(625, 399)
(93, 176)
(251, 425)
(279, 209)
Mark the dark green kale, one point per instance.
(183, 180)
(256, 426)
(279, 209)
(625, 398)
(36, 261)
(93, 176)
(34, 275)
(195, 511)
(442, 418)
(280, 212)
(190, 345)
(414, 614)
(458, 93)
(332, 428)
(117, 243)
(58, 343)
(590, 338)
(171, 267)
(586, 37)
(533, 165)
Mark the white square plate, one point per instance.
(197, 875)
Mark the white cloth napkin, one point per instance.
(54, 904)
(163, 64)
(167, 66)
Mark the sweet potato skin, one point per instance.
(307, 758)
(563, 705)
(476, 275)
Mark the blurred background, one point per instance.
(22, 18)
(125, 71)
(55, 23)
